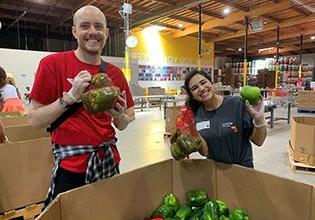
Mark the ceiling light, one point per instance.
(0, 25)
(155, 28)
(226, 11)
(239, 49)
(266, 49)
(180, 25)
(313, 38)
(131, 41)
(265, 22)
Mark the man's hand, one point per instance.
(120, 107)
(79, 84)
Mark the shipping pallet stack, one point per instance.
(298, 167)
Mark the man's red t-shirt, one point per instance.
(81, 128)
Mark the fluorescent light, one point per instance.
(266, 49)
(239, 49)
(313, 38)
(155, 28)
(226, 11)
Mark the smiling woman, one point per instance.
(226, 125)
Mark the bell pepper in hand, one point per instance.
(197, 198)
(188, 143)
(176, 152)
(171, 201)
(99, 100)
(223, 208)
(100, 80)
(239, 214)
(175, 135)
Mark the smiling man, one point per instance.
(84, 145)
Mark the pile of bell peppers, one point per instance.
(198, 207)
(101, 96)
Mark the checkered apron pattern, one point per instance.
(97, 168)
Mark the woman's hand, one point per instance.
(257, 112)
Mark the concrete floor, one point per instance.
(143, 143)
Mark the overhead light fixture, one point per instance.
(266, 49)
(226, 10)
(265, 22)
(0, 25)
(131, 41)
(239, 49)
(313, 38)
(180, 25)
(256, 25)
(155, 28)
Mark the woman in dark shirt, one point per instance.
(227, 125)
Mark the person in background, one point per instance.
(10, 100)
(84, 145)
(226, 125)
(11, 81)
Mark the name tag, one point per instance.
(203, 125)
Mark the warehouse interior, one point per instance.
(266, 44)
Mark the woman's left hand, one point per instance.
(257, 112)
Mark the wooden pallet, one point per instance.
(26, 213)
(298, 167)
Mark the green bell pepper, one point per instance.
(175, 136)
(206, 216)
(171, 201)
(212, 208)
(223, 208)
(251, 93)
(100, 80)
(239, 214)
(187, 143)
(99, 100)
(163, 211)
(176, 152)
(197, 198)
(222, 217)
(184, 212)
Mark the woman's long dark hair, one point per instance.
(191, 102)
(3, 77)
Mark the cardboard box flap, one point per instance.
(263, 195)
(25, 172)
(124, 197)
(191, 175)
(24, 132)
(53, 211)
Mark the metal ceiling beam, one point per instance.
(180, 6)
(206, 12)
(236, 16)
(269, 27)
(184, 19)
(17, 19)
(227, 29)
(300, 10)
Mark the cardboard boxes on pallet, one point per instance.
(302, 139)
(306, 100)
(121, 198)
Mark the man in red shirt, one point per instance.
(84, 145)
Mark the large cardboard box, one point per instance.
(302, 139)
(25, 171)
(170, 118)
(306, 100)
(136, 194)
(24, 132)
(13, 121)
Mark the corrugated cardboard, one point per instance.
(12, 121)
(135, 195)
(306, 100)
(303, 139)
(24, 132)
(171, 114)
(25, 170)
